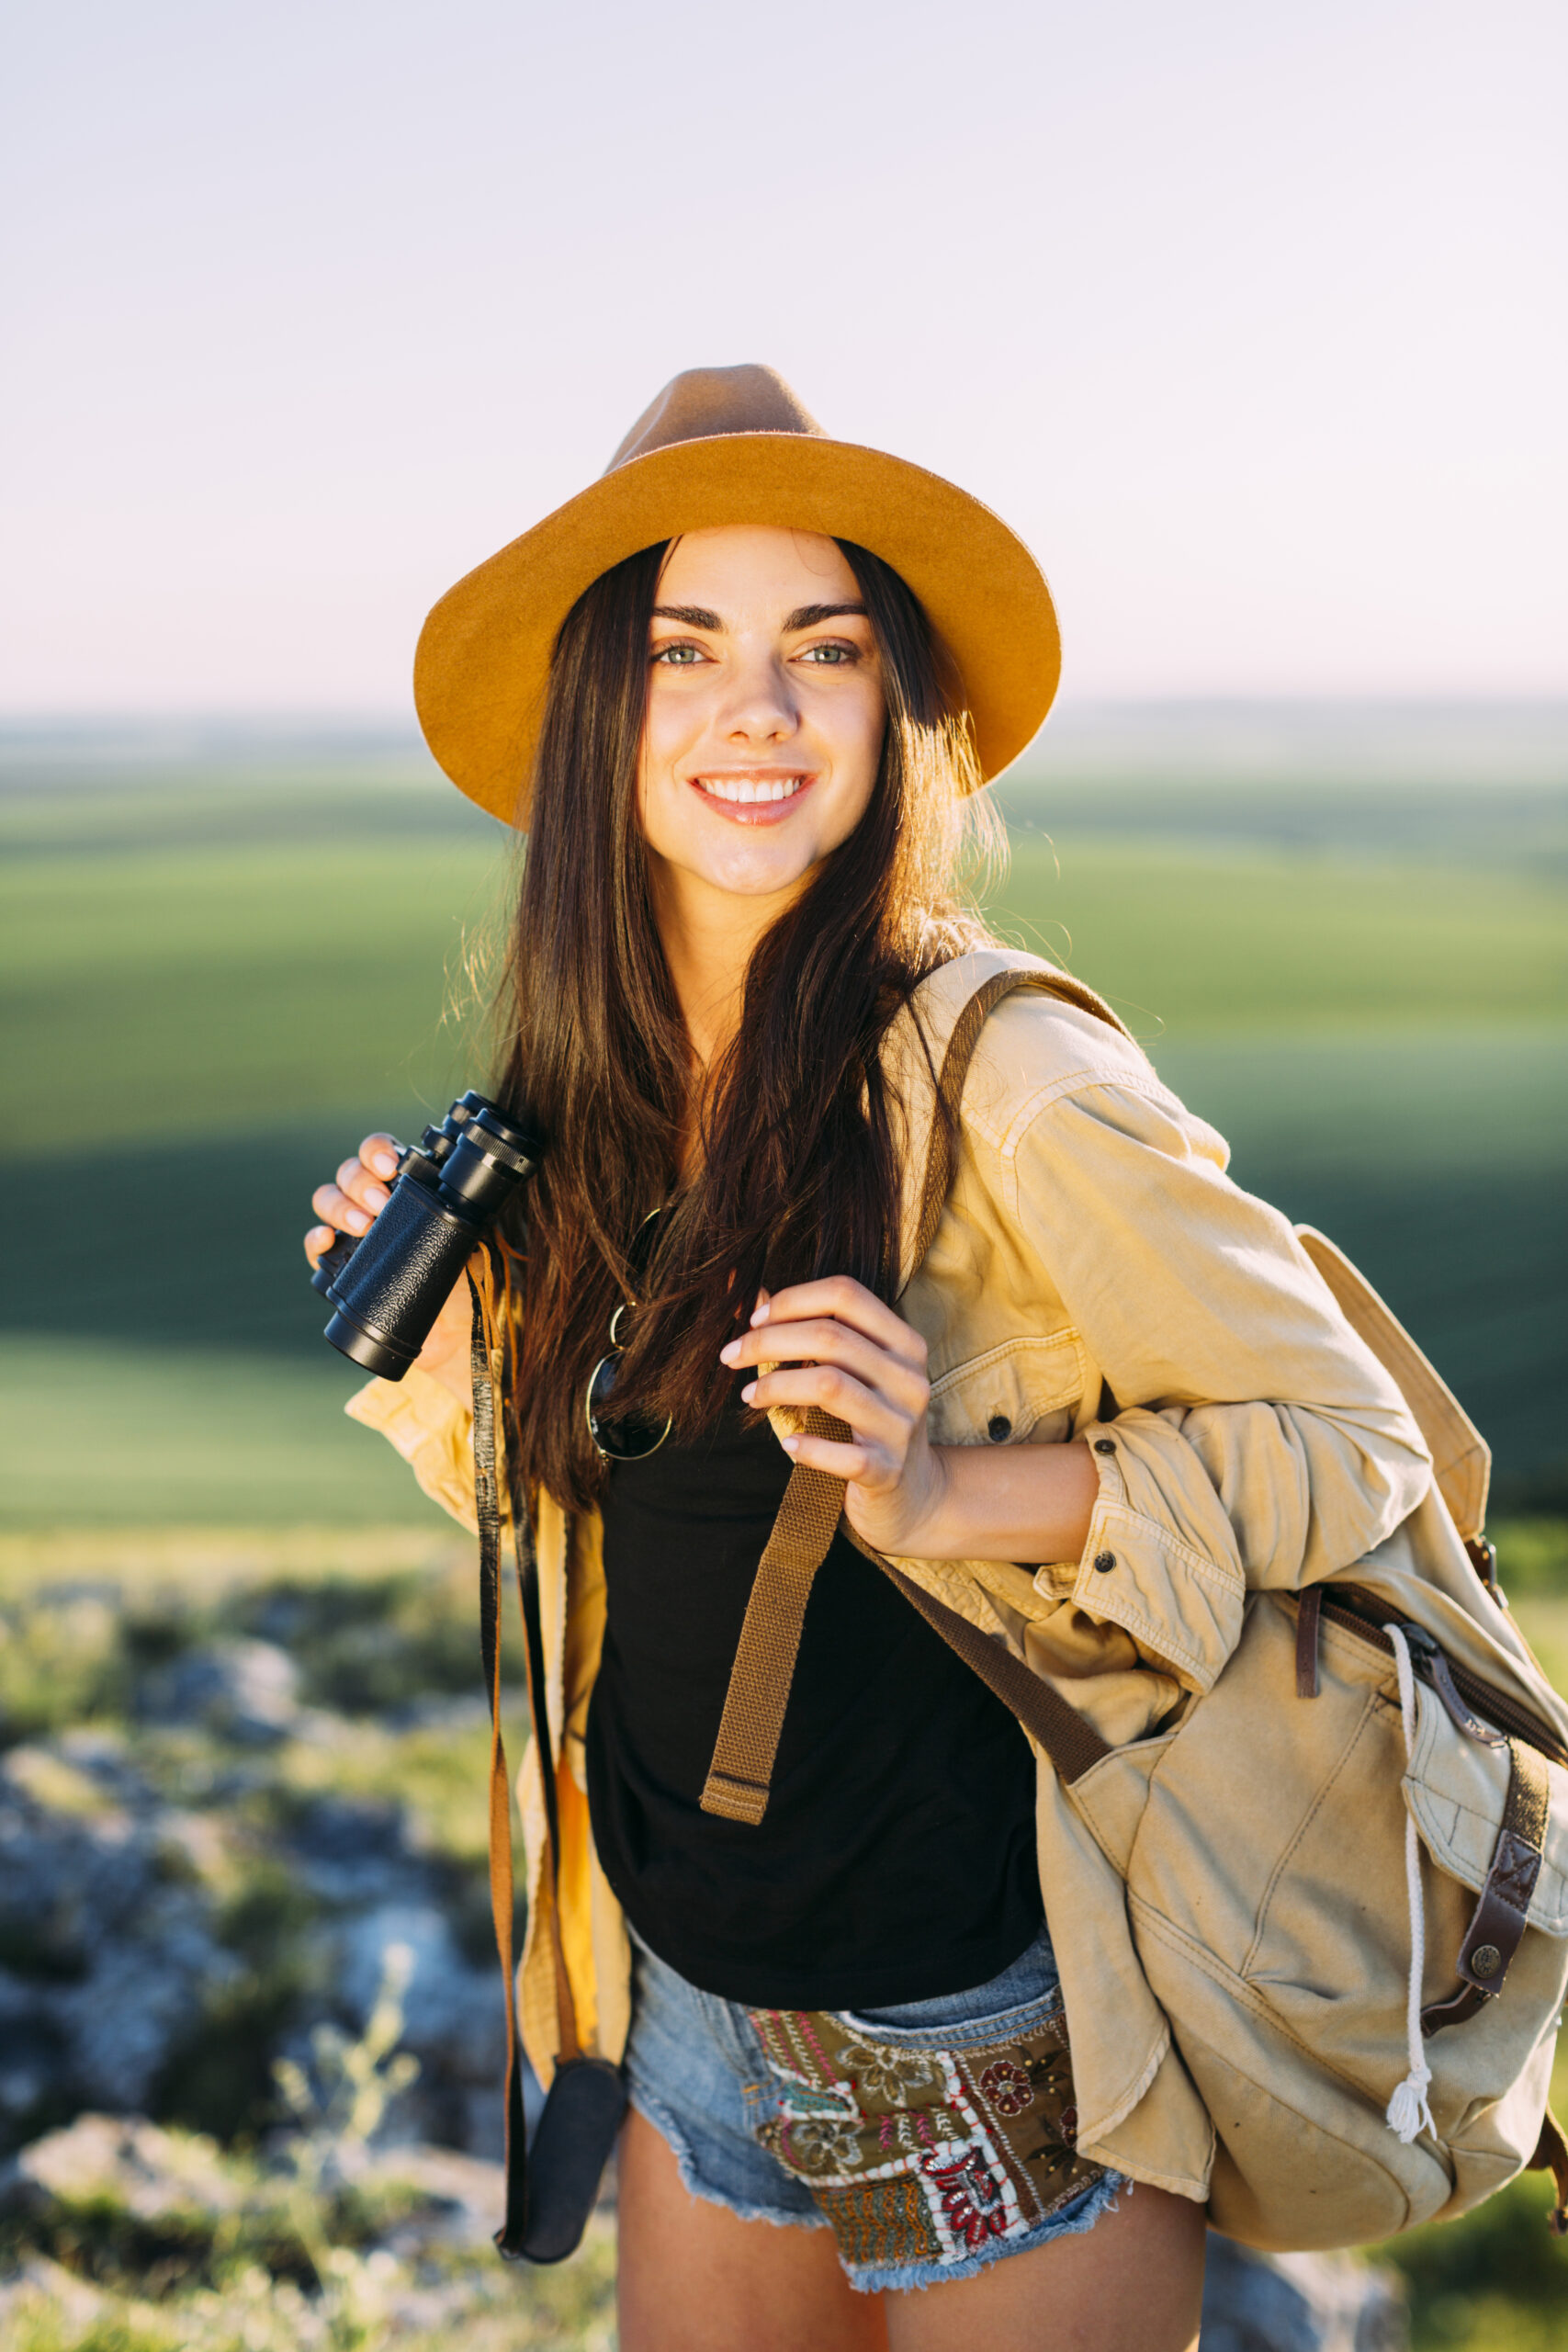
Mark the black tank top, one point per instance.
(896, 1859)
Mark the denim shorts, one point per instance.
(933, 2138)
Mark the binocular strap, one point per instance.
(484, 1357)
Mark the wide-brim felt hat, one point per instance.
(724, 446)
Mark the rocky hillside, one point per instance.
(230, 1782)
(251, 2026)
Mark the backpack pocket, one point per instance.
(1458, 1786)
(1268, 1888)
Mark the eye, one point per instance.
(832, 654)
(679, 655)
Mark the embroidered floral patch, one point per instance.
(923, 2156)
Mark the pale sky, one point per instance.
(1251, 319)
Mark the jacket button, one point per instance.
(1105, 1562)
(1486, 1959)
(1105, 1445)
(998, 1428)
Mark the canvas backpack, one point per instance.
(1364, 1980)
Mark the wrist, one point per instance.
(928, 1536)
(448, 1366)
(1016, 1502)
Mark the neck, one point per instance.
(708, 937)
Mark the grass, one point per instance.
(184, 991)
(1216, 938)
(94, 1433)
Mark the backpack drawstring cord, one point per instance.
(1408, 2112)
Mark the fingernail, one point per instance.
(357, 1221)
(378, 1197)
(759, 1313)
(731, 1353)
(790, 1444)
(748, 1392)
(383, 1163)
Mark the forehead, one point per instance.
(756, 569)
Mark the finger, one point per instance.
(849, 1303)
(318, 1241)
(833, 1344)
(354, 1180)
(379, 1154)
(334, 1207)
(868, 1415)
(851, 1463)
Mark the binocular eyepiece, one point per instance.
(387, 1290)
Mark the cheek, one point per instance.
(863, 728)
(665, 734)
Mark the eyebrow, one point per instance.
(803, 615)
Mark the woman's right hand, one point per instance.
(349, 1204)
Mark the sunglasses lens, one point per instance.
(618, 1439)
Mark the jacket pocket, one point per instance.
(1001, 1396)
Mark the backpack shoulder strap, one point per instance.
(741, 1772)
(937, 1031)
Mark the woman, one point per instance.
(739, 691)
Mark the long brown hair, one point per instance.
(798, 1173)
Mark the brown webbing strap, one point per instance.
(1309, 1614)
(1502, 1909)
(955, 1063)
(742, 1766)
(482, 1360)
(755, 1705)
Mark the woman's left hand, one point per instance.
(840, 1349)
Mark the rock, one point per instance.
(439, 1711)
(51, 2298)
(111, 1951)
(462, 2199)
(354, 1853)
(117, 2160)
(34, 2059)
(1298, 2302)
(118, 1986)
(454, 2023)
(244, 1690)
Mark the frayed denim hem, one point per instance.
(691, 2181)
(1073, 2221)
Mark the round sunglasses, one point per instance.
(623, 1437)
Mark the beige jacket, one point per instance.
(1094, 1261)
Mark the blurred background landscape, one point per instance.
(242, 1741)
(228, 952)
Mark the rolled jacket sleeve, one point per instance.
(431, 1431)
(1256, 1440)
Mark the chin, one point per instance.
(746, 880)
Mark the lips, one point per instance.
(755, 797)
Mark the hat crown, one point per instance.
(703, 401)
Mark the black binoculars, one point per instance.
(387, 1290)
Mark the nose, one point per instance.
(759, 706)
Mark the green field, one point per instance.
(221, 965)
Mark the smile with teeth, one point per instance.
(747, 788)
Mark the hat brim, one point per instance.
(484, 660)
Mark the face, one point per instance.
(765, 713)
